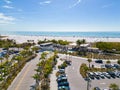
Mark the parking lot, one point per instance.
(77, 82)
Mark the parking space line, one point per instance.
(103, 83)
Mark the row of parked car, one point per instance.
(62, 81)
(114, 66)
(102, 75)
(4, 52)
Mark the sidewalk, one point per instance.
(53, 83)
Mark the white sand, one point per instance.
(21, 39)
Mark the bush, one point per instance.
(83, 70)
(108, 45)
(62, 66)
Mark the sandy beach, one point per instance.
(21, 39)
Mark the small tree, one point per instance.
(1, 66)
(83, 41)
(34, 49)
(1, 59)
(36, 77)
(78, 42)
(113, 86)
(108, 61)
(118, 61)
(89, 61)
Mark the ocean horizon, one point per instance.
(63, 34)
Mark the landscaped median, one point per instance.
(44, 69)
(62, 81)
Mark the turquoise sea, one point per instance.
(68, 34)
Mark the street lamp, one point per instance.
(88, 82)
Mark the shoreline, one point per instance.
(23, 38)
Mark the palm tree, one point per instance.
(36, 77)
(19, 58)
(89, 61)
(7, 56)
(18, 46)
(43, 56)
(34, 49)
(1, 69)
(7, 62)
(78, 42)
(23, 53)
(113, 86)
(1, 60)
(83, 41)
(118, 61)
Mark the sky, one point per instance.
(60, 15)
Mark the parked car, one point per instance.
(117, 66)
(63, 84)
(108, 65)
(68, 62)
(62, 79)
(63, 88)
(96, 75)
(91, 75)
(112, 74)
(106, 75)
(96, 88)
(101, 75)
(62, 75)
(99, 61)
(117, 74)
(87, 79)
(61, 71)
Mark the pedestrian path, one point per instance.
(53, 83)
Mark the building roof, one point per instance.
(73, 44)
(92, 48)
(44, 44)
(84, 45)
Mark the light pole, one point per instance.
(88, 82)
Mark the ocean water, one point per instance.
(67, 34)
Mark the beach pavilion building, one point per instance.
(47, 46)
(88, 48)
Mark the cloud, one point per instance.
(8, 1)
(45, 2)
(75, 4)
(8, 7)
(6, 19)
(107, 5)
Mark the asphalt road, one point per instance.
(75, 79)
(24, 79)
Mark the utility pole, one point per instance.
(87, 81)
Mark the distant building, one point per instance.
(87, 48)
(83, 47)
(47, 46)
(16, 49)
(92, 49)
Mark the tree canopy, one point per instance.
(108, 45)
(61, 42)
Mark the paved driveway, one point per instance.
(75, 79)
